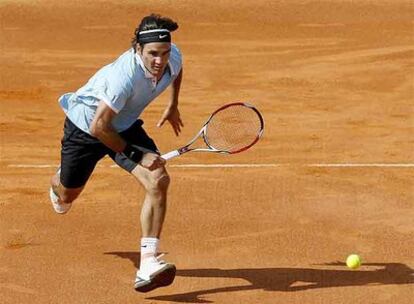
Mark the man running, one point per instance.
(102, 118)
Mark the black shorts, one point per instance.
(81, 152)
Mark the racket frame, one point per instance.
(202, 133)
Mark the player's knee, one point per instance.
(164, 181)
(160, 182)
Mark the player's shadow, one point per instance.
(287, 279)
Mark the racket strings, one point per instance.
(233, 128)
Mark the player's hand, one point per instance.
(152, 161)
(172, 115)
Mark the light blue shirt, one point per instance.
(125, 86)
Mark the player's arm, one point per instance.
(101, 127)
(171, 113)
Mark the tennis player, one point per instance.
(102, 118)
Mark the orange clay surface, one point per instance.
(334, 80)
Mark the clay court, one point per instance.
(333, 174)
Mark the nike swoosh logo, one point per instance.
(162, 36)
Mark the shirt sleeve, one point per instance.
(175, 60)
(115, 90)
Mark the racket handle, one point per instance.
(170, 155)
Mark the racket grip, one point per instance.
(170, 155)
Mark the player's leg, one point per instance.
(61, 196)
(155, 182)
(155, 202)
(79, 155)
(153, 272)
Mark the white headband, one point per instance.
(154, 31)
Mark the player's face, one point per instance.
(155, 56)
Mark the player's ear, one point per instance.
(139, 49)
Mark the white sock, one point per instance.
(149, 249)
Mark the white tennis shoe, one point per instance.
(153, 274)
(59, 208)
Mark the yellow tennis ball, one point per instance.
(353, 261)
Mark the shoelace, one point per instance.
(160, 256)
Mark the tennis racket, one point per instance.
(231, 129)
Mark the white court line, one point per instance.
(226, 165)
(363, 165)
(339, 165)
(289, 165)
(31, 166)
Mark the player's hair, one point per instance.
(153, 22)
